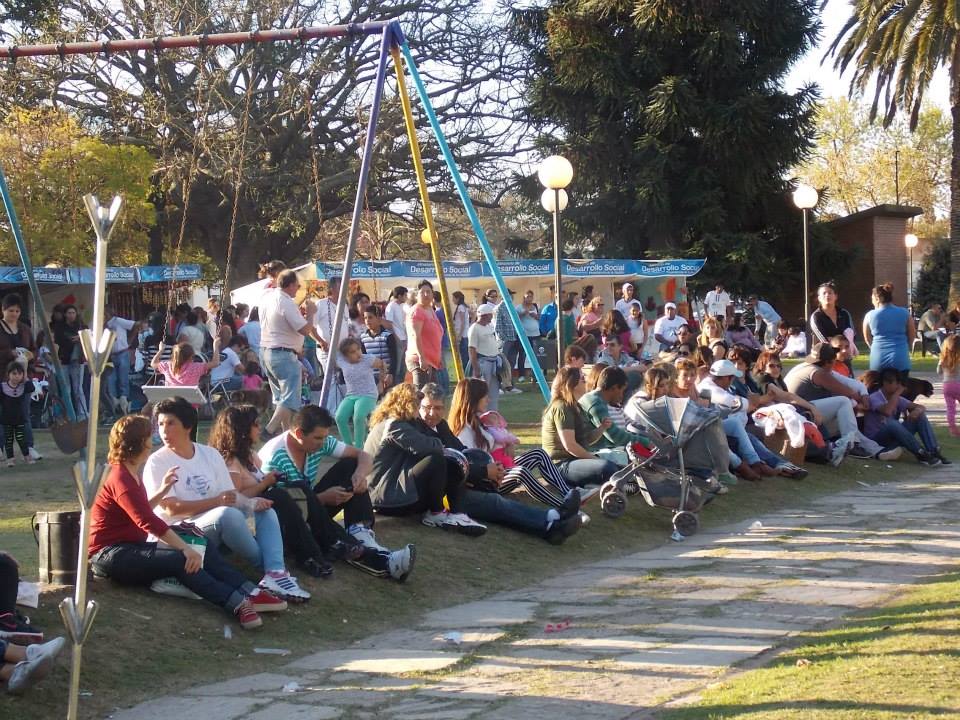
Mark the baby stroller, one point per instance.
(670, 423)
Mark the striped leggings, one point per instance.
(18, 433)
(522, 474)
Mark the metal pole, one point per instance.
(357, 213)
(558, 274)
(806, 279)
(472, 214)
(95, 47)
(78, 614)
(910, 273)
(427, 212)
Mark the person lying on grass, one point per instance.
(207, 497)
(123, 517)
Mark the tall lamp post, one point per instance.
(805, 197)
(910, 240)
(555, 174)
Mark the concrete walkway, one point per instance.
(643, 630)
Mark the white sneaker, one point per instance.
(584, 519)
(11, 462)
(39, 662)
(401, 562)
(514, 391)
(888, 455)
(172, 586)
(587, 493)
(284, 586)
(465, 524)
(32, 452)
(501, 391)
(840, 449)
(366, 537)
(438, 520)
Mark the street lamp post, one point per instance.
(555, 174)
(910, 240)
(805, 197)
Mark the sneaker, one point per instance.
(571, 503)
(284, 585)
(794, 472)
(437, 519)
(11, 462)
(888, 455)
(39, 662)
(501, 391)
(317, 567)
(514, 390)
(34, 454)
(925, 458)
(366, 537)
(942, 459)
(172, 586)
(584, 519)
(401, 563)
(840, 448)
(727, 479)
(559, 530)
(716, 487)
(587, 493)
(16, 628)
(247, 616)
(466, 525)
(262, 601)
(29, 460)
(857, 451)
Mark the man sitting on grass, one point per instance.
(206, 495)
(883, 424)
(595, 404)
(297, 454)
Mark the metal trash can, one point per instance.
(58, 539)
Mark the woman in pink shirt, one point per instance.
(424, 334)
(183, 369)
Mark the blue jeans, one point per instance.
(749, 447)
(591, 471)
(464, 350)
(494, 508)
(227, 526)
(118, 385)
(142, 563)
(75, 372)
(894, 433)
(27, 410)
(282, 368)
(234, 382)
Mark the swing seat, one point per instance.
(70, 437)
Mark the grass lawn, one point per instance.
(898, 661)
(143, 645)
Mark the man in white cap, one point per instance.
(665, 329)
(628, 299)
(484, 349)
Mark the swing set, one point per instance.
(393, 45)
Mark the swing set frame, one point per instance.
(77, 612)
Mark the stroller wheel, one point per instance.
(613, 503)
(686, 523)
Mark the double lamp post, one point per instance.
(555, 174)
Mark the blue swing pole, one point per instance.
(331, 364)
(471, 211)
(63, 386)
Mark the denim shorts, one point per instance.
(285, 375)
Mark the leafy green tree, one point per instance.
(50, 163)
(858, 161)
(900, 45)
(674, 116)
(933, 280)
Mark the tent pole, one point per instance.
(427, 213)
(475, 220)
(331, 365)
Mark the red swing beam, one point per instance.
(301, 34)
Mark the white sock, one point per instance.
(552, 515)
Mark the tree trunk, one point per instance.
(955, 177)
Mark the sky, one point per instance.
(810, 69)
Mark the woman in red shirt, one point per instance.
(424, 334)
(123, 517)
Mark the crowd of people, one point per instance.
(410, 443)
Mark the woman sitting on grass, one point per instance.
(566, 434)
(467, 409)
(123, 516)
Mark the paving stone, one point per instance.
(392, 661)
(222, 708)
(604, 643)
(727, 626)
(248, 684)
(701, 652)
(289, 711)
(482, 614)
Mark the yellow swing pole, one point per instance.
(427, 213)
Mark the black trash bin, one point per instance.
(58, 538)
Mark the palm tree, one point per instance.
(901, 43)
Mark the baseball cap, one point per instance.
(626, 285)
(724, 368)
(486, 309)
(821, 352)
(670, 305)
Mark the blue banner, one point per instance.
(85, 276)
(17, 275)
(386, 269)
(164, 273)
